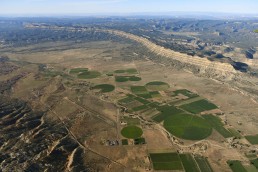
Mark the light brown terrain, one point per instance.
(91, 118)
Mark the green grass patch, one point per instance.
(255, 163)
(166, 161)
(187, 126)
(145, 96)
(256, 31)
(132, 132)
(105, 88)
(121, 79)
(154, 94)
(216, 123)
(189, 163)
(157, 86)
(124, 142)
(252, 139)
(139, 141)
(164, 157)
(203, 164)
(126, 100)
(174, 165)
(139, 90)
(78, 70)
(89, 75)
(250, 168)
(139, 108)
(142, 100)
(236, 166)
(186, 93)
(127, 78)
(134, 78)
(131, 71)
(154, 105)
(166, 111)
(198, 106)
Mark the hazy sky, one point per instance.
(60, 7)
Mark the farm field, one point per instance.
(189, 163)
(124, 142)
(166, 111)
(235, 133)
(104, 88)
(216, 123)
(189, 127)
(203, 164)
(146, 105)
(199, 106)
(255, 163)
(132, 132)
(78, 70)
(127, 78)
(139, 108)
(252, 139)
(130, 71)
(127, 99)
(236, 166)
(166, 161)
(139, 90)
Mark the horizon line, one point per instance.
(117, 14)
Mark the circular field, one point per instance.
(157, 86)
(89, 75)
(132, 132)
(105, 88)
(187, 127)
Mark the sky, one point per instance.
(85, 7)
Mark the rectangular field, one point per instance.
(142, 100)
(189, 163)
(255, 163)
(199, 106)
(139, 108)
(139, 90)
(216, 123)
(252, 139)
(236, 166)
(166, 161)
(126, 100)
(235, 133)
(203, 164)
(176, 165)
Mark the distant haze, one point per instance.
(124, 7)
